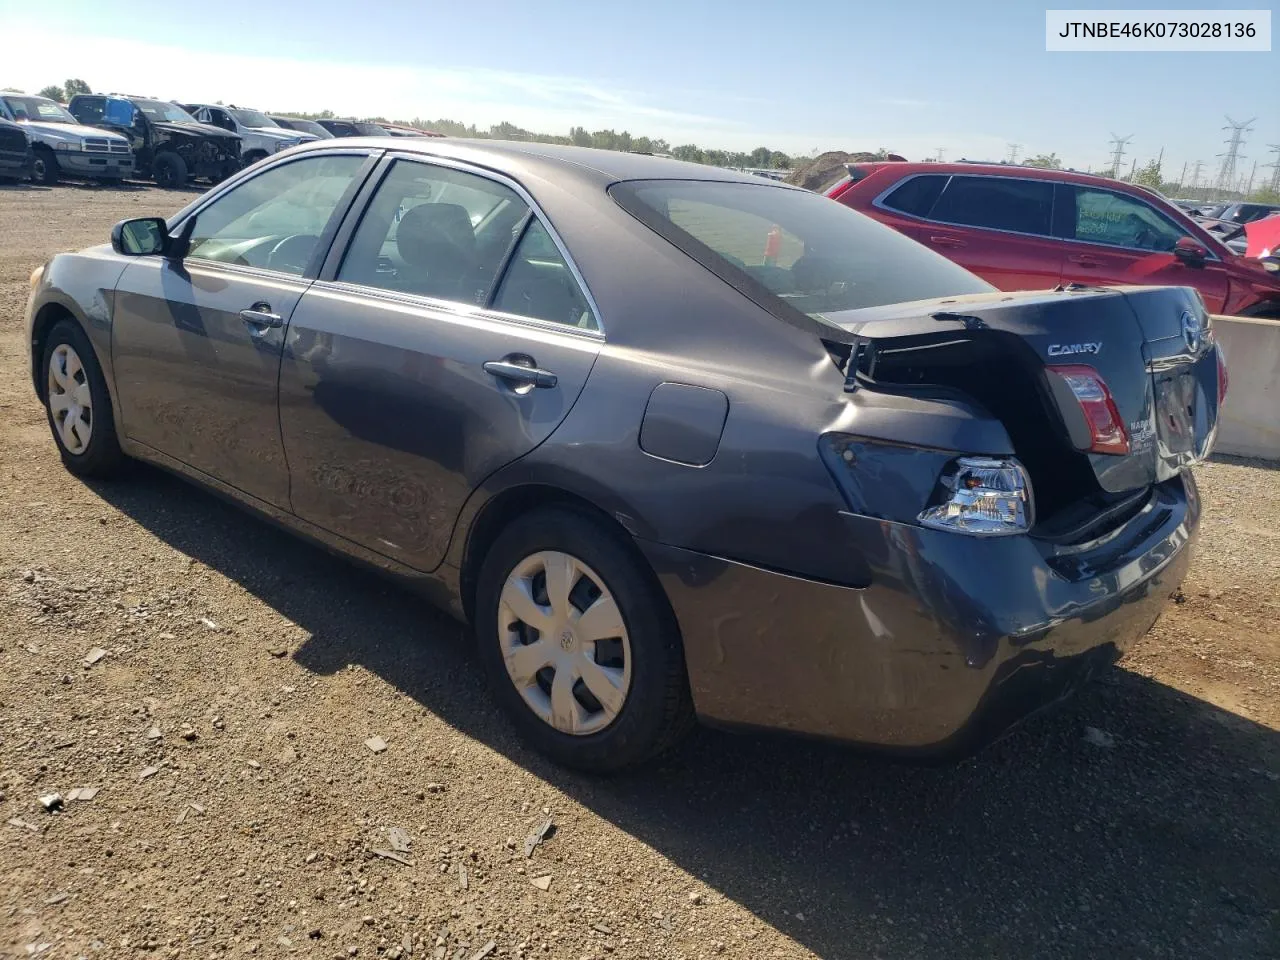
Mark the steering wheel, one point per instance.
(292, 253)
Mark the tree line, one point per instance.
(760, 157)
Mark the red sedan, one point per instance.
(1024, 228)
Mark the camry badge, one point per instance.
(1068, 349)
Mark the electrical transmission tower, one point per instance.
(1274, 185)
(1227, 172)
(1013, 152)
(1195, 174)
(942, 152)
(1117, 153)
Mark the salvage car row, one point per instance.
(114, 137)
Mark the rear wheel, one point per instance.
(77, 403)
(44, 167)
(169, 171)
(580, 644)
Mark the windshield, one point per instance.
(164, 112)
(806, 252)
(37, 108)
(251, 118)
(369, 129)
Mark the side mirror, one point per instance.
(144, 237)
(1189, 252)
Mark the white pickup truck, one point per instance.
(62, 147)
(260, 136)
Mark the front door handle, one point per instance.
(261, 317)
(944, 241)
(1084, 260)
(522, 374)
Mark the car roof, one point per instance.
(1006, 170)
(512, 158)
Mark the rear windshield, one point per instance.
(791, 249)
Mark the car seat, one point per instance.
(437, 243)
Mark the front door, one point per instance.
(1121, 239)
(451, 339)
(196, 344)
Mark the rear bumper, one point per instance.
(955, 639)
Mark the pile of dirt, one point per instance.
(825, 169)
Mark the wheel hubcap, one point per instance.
(70, 401)
(564, 643)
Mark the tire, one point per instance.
(169, 171)
(101, 455)
(44, 168)
(655, 709)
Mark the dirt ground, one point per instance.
(239, 807)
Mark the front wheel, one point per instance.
(169, 171)
(78, 405)
(44, 168)
(580, 643)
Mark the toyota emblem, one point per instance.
(1192, 331)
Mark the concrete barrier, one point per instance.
(1250, 424)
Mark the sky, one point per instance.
(970, 78)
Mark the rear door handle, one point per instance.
(1085, 260)
(523, 374)
(261, 317)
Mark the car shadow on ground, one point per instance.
(1157, 833)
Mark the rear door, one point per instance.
(1115, 238)
(196, 344)
(448, 336)
(998, 227)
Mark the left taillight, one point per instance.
(983, 496)
(1107, 433)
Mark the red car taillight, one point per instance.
(1106, 426)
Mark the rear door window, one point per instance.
(997, 203)
(1118, 220)
(917, 195)
(88, 109)
(435, 232)
(538, 283)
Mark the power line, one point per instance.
(1117, 154)
(1227, 172)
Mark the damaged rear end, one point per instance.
(1040, 531)
(1103, 396)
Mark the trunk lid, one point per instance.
(1152, 346)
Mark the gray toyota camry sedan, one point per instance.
(678, 443)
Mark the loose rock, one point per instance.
(376, 744)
